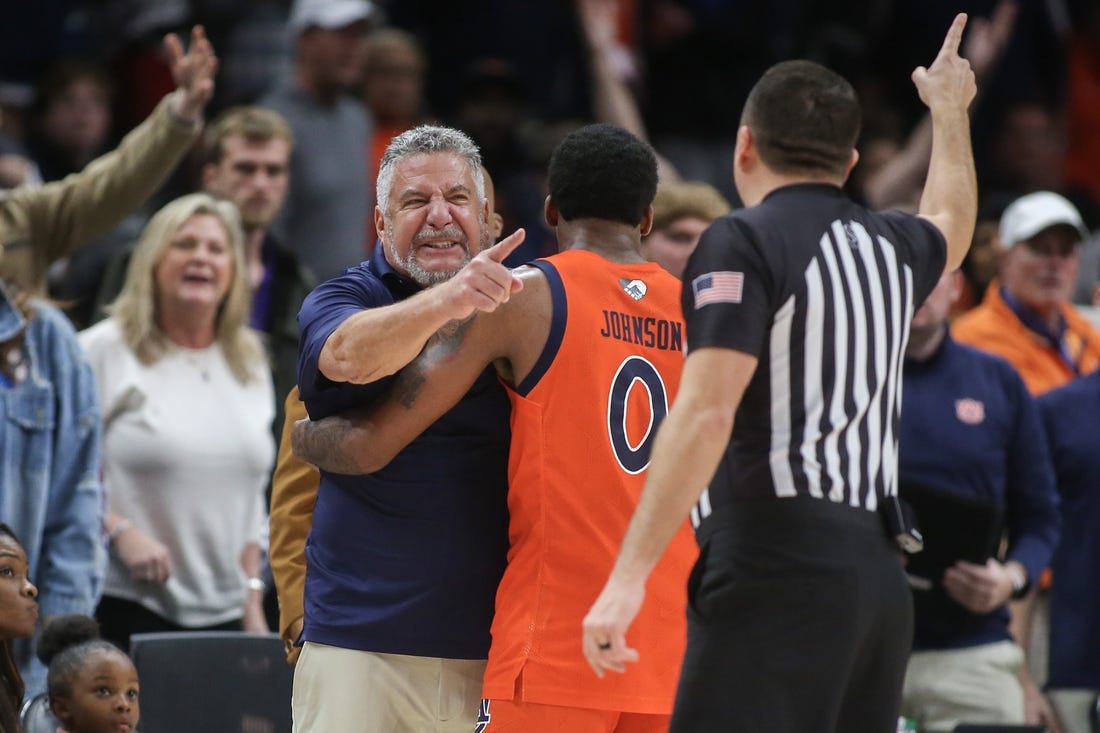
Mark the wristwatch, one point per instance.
(256, 584)
(1020, 585)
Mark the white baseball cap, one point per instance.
(329, 14)
(1028, 215)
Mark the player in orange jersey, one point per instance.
(591, 350)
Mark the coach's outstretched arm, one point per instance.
(365, 439)
(376, 342)
(950, 197)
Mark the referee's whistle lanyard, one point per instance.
(1058, 339)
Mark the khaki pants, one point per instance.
(350, 691)
(1073, 708)
(972, 685)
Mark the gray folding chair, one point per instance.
(229, 682)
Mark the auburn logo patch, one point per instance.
(969, 411)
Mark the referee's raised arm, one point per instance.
(950, 197)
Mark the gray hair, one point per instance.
(421, 140)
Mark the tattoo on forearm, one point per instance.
(321, 443)
(411, 380)
(452, 332)
(408, 385)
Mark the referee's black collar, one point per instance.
(807, 187)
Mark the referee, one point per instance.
(797, 310)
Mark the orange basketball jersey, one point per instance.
(583, 424)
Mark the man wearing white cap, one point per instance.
(331, 14)
(1027, 317)
(324, 221)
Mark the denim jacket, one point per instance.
(51, 492)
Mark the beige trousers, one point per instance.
(349, 691)
(1073, 708)
(972, 685)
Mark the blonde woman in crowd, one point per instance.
(187, 407)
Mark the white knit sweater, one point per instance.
(187, 454)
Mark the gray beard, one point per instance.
(419, 275)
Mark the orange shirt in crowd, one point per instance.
(995, 328)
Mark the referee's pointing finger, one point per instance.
(954, 35)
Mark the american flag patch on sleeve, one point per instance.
(717, 287)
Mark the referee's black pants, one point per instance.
(800, 620)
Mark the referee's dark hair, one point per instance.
(603, 172)
(804, 118)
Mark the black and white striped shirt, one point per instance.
(821, 291)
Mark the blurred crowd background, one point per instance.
(75, 75)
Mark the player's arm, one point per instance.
(376, 342)
(689, 445)
(950, 196)
(366, 439)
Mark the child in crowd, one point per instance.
(92, 684)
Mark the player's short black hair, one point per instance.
(603, 172)
(804, 118)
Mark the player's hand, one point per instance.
(146, 558)
(193, 73)
(605, 626)
(949, 82)
(978, 588)
(484, 283)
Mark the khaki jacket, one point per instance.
(41, 224)
(293, 494)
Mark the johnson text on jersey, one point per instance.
(654, 333)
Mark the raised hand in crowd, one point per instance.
(988, 38)
(193, 73)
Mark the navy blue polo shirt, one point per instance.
(405, 560)
(969, 426)
(1071, 415)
